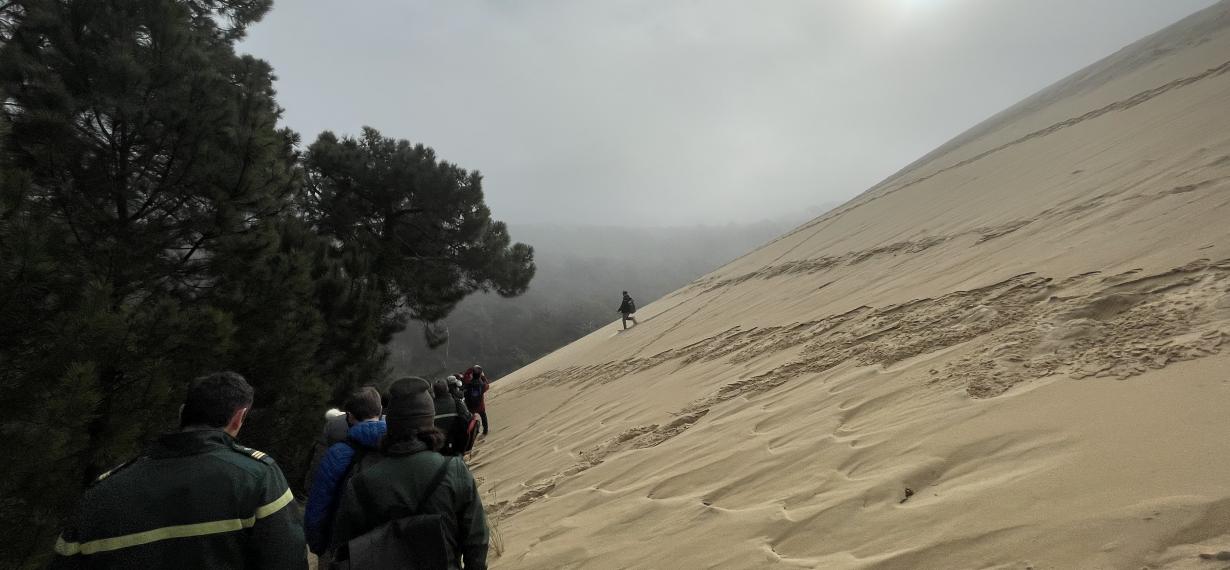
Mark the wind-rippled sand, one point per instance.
(1025, 329)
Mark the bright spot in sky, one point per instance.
(909, 12)
(915, 5)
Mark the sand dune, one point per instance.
(1024, 329)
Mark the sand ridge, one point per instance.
(1025, 330)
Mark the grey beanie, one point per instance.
(410, 405)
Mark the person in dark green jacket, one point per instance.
(411, 461)
(196, 499)
(452, 416)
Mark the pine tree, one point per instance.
(155, 224)
(416, 227)
(141, 147)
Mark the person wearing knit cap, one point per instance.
(451, 418)
(411, 416)
(413, 471)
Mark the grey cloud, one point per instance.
(652, 112)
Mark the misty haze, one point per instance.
(848, 284)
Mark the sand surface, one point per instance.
(1024, 329)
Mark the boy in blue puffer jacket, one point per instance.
(363, 439)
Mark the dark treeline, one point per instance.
(581, 271)
(155, 223)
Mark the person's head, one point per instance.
(439, 388)
(220, 400)
(362, 405)
(625, 293)
(411, 414)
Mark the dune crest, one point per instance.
(1024, 329)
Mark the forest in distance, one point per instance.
(581, 271)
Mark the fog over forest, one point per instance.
(581, 272)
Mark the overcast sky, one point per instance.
(668, 112)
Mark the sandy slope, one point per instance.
(1024, 329)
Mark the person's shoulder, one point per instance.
(457, 471)
(341, 451)
(249, 459)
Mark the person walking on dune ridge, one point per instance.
(627, 308)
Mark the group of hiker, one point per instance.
(354, 439)
(388, 487)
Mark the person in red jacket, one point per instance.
(475, 386)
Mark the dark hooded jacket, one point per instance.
(451, 418)
(628, 306)
(402, 476)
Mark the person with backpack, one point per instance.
(415, 508)
(452, 418)
(627, 308)
(474, 425)
(341, 461)
(475, 389)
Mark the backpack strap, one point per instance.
(431, 487)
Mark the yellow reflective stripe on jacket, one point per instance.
(64, 548)
(164, 533)
(275, 506)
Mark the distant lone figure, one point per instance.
(628, 308)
